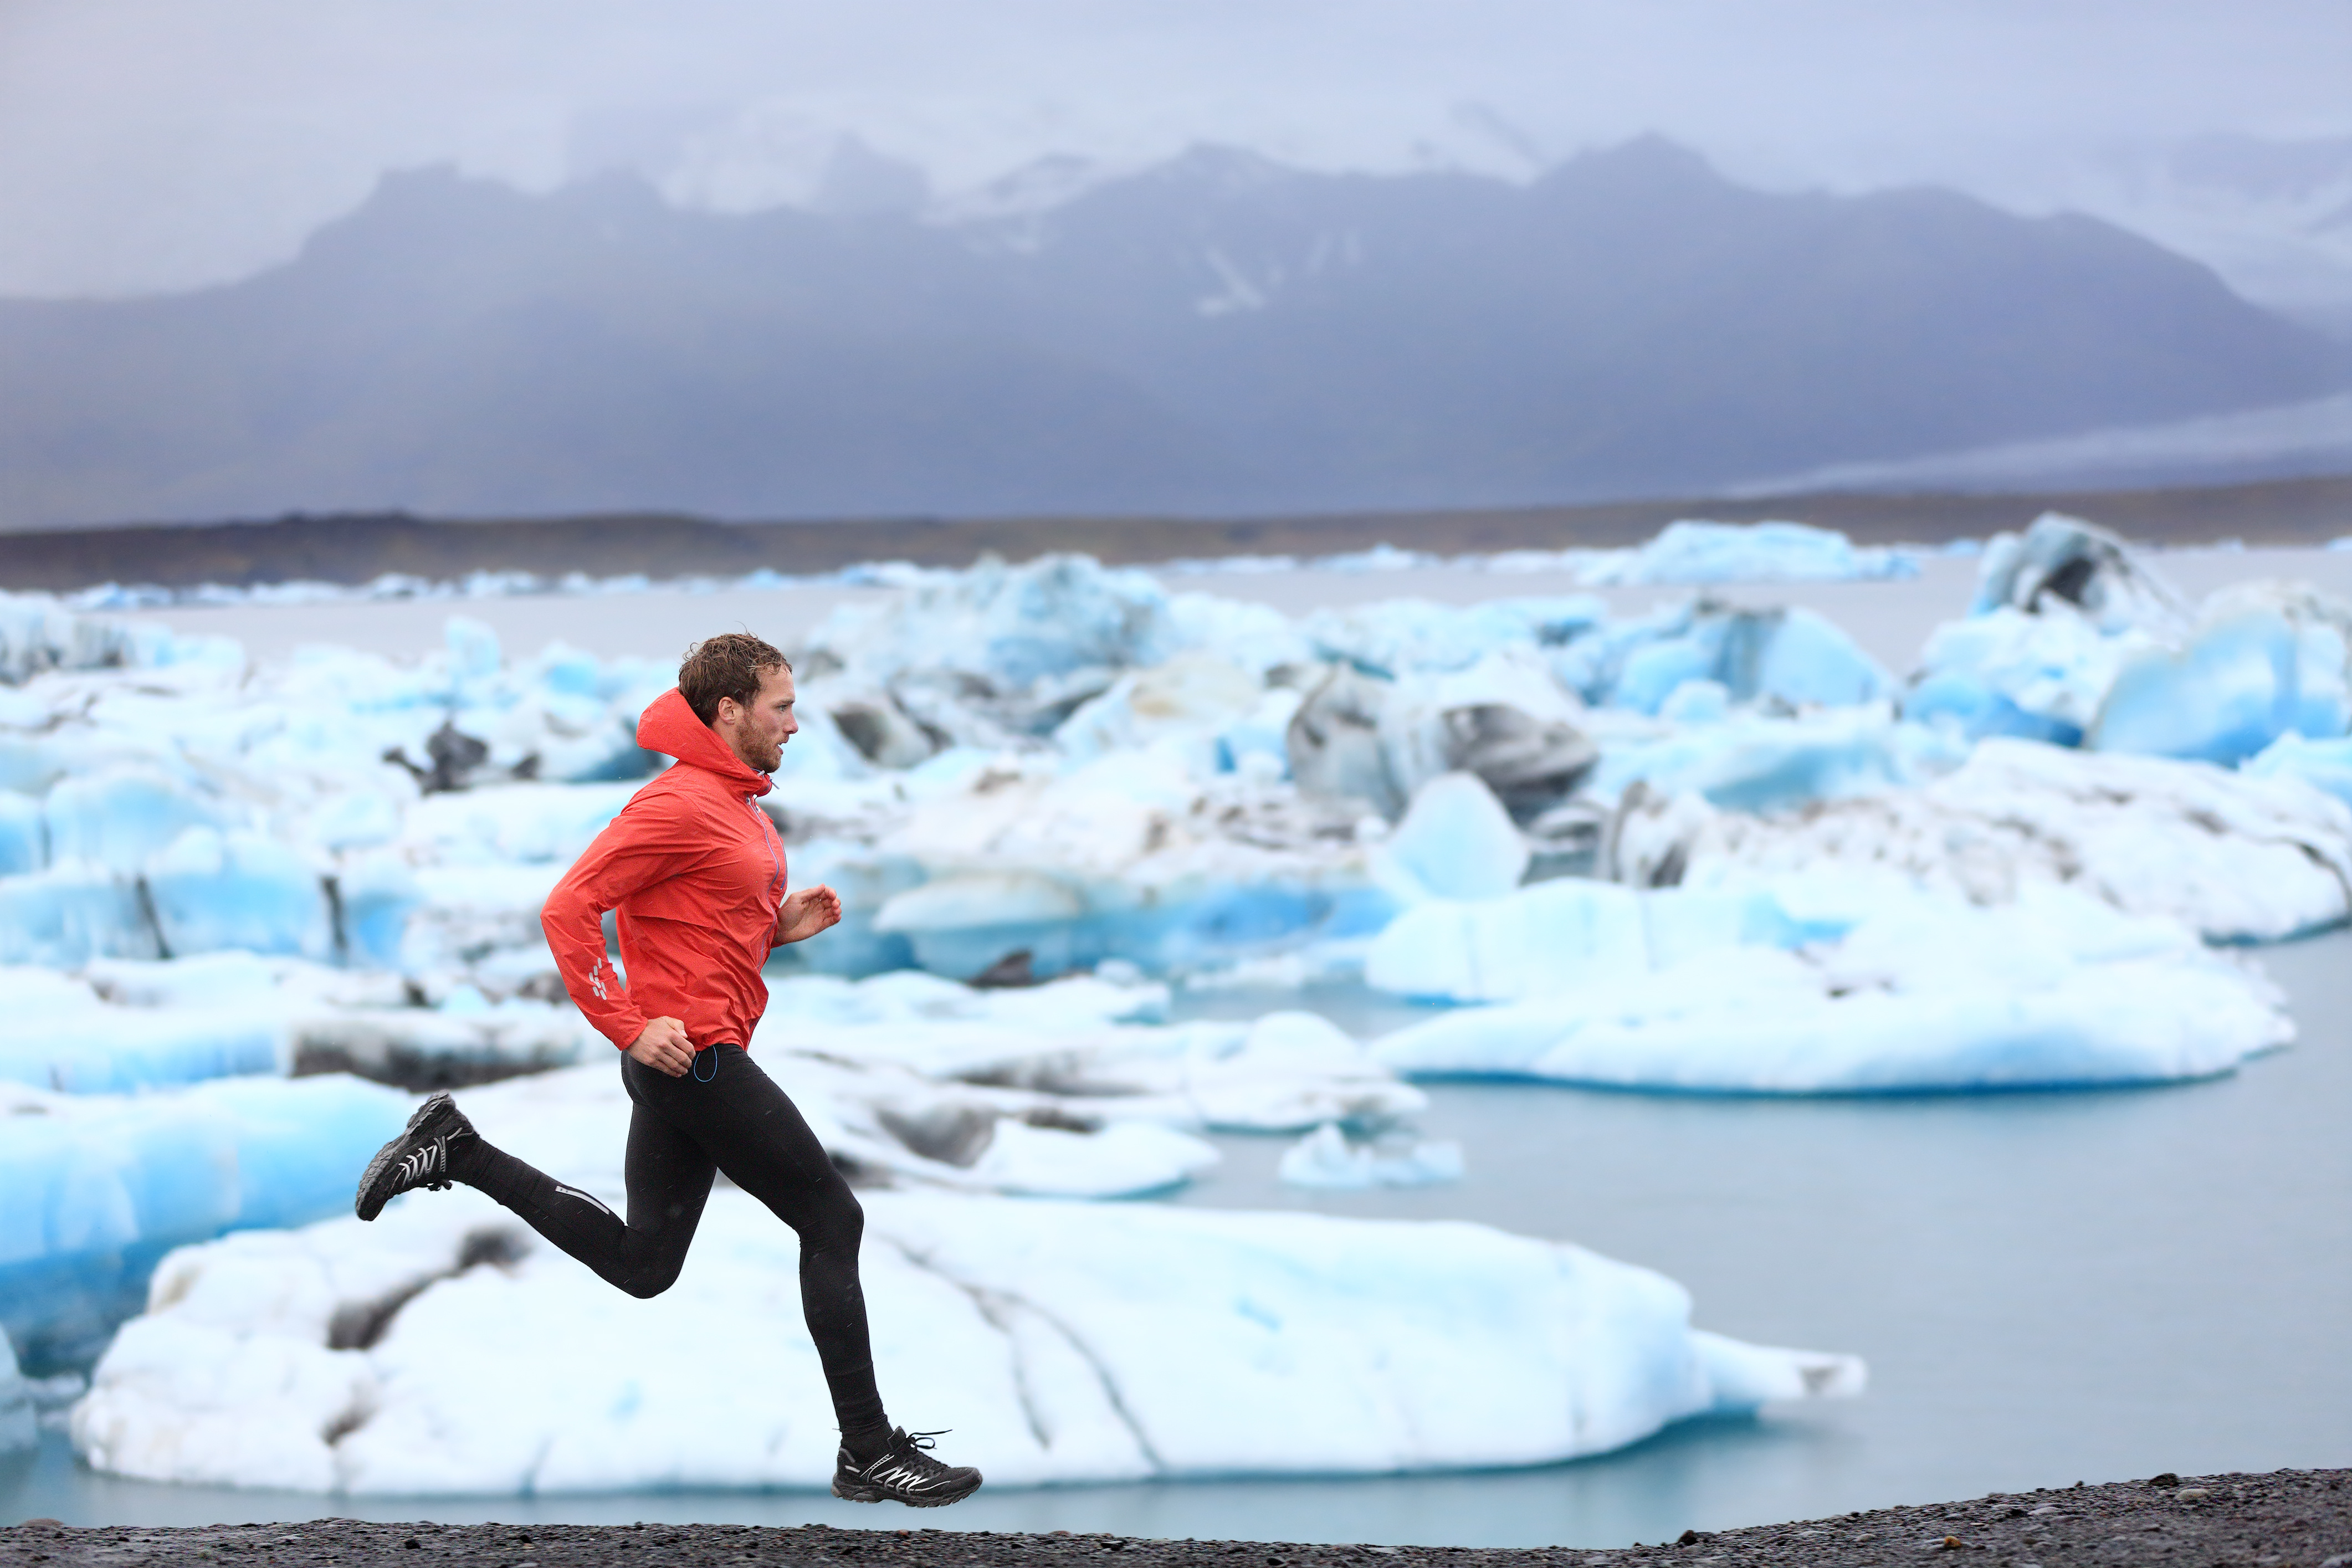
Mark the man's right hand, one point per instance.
(662, 1045)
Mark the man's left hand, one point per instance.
(807, 912)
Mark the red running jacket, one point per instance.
(697, 872)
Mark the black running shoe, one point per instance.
(419, 1157)
(904, 1473)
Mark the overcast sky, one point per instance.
(158, 143)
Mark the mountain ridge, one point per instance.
(1216, 334)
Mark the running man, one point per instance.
(697, 872)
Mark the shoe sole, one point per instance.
(391, 1152)
(875, 1494)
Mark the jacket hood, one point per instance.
(668, 726)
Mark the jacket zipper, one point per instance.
(768, 837)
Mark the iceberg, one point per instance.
(211, 891)
(1327, 1158)
(67, 914)
(2063, 561)
(119, 817)
(123, 1026)
(1131, 857)
(2058, 612)
(2039, 675)
(1008, 627)
(2323, 765)
(2238, 857)
(321, 1358)
(1505, 719)
(1696, 553)
(2253, 671)
(1569, 933)
(1456, 841)
(1921, 994)
(18, 1427)
(1755, 762)
(1396, 638)
(1073, 1088)
(94, 1189)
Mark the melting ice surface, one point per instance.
(1703, 848)
(1061, 1341)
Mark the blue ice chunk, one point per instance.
(69, 914)
(1959, 701)
(94, 1048)
(474, 653)
(1755, 762)
(963, 924)
(1010, 625)
(2324, 764)
(214, 890)
(1561, 935)
(2039, 677)
(93, 1192)
(38, 633)
(1657, 670)
(28, 765)
(118, 817)
(1402, 636)
(377, 894)
(2239, 685)
(1455, 842)
(1790, 657)
(1699, 702)
(24, 835)
(1807, 661)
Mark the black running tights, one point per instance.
(724, 1115)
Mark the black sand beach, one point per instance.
(2287, 1518)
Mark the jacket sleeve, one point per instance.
(644, 844)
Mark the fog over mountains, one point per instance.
(1218, 334)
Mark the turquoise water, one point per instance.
(2049, 1288)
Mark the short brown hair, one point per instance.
(729, 664)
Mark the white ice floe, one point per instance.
(1920, 992)
(1328, 1157)
(2237, 857)
(372, 1360)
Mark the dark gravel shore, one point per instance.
(2290, 1519)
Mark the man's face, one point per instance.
(757, 734)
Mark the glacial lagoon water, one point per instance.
(2048, 1286)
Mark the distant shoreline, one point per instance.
(356, 548)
